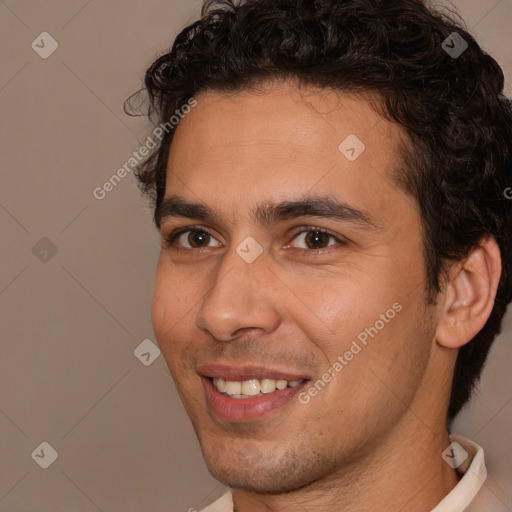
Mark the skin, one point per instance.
(379, 425)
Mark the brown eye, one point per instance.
(198, 238)
(315, 239)
(194, 239)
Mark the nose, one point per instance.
(239, 297)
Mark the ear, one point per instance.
(469, 296)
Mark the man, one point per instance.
(336, 248)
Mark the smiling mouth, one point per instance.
(248, 400)
(252, 387)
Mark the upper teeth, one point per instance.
(251, 387)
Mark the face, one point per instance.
(291, 267)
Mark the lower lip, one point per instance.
(223, 407)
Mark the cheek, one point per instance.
(340, 304)
(371, 306)
(174, 295)
(162, 305)
(172, 304)
(396, 354)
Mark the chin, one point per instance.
(255, 480)
(252, 470)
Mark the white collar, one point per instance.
(474, 474)
(473, 470)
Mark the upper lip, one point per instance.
(246, 372)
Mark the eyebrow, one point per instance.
(269, 212)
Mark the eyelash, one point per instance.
(169, 240)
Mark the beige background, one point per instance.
(70, 324)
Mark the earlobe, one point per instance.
(469, 296)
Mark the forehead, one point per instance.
(282, 140)
(283, 111)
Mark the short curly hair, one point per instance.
(457, 165)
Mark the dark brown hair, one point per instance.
(459, 123)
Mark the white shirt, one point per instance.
(458, 500)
